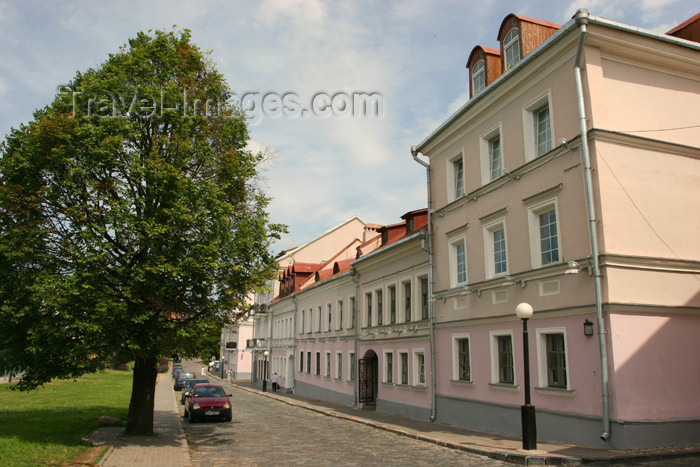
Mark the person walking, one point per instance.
(274, 379)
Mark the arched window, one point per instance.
(478, 77)
(511, 48)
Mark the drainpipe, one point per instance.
(294, 345)
(582, 20)
(431, 300)
(355, 278)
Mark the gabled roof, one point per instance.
(527, 20)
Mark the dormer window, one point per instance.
(385, 237)
(511, 49)
(478, 77)
(409, 225)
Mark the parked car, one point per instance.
(208, 401)
(182, 379)
(187, 389)
(176, 371)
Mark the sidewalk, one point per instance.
(168, 448)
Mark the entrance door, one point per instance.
(369, 378)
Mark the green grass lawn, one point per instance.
(45, 426)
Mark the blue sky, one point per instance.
(323, 169)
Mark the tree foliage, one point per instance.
(131, 222)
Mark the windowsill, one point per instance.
(462, 382)
(402, 386)
(421, 388)
(387, 383)
(504, 387)
(556, 392)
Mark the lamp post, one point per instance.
(264, 381)
(223, 359)
(527, 412)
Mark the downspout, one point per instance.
(355, 278)
(431, 300)
(582, 20)
(294, 345)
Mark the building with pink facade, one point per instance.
(570, 180)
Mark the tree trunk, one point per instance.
(140, 418)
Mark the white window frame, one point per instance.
(452, 185)
(339, 310)
(534, 212)
(329, 316)
(489, 249)
(402, 308)
(542, 369)
(399, 371)
(328, 373)
(388, 375)
(319, 318)
(415, 375)
(480, 73)
(530, 124)
(369, 298)
(393, 303)
(455, 356)
(453, 260)
(485, 153)
(379, 298)
(352, 366)
(339, 365)
(493, 339)
(509, 62)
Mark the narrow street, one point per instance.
(265, 431)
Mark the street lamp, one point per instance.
(264, 381)
(527, 412)
(223, 359)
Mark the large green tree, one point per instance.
(131, 220)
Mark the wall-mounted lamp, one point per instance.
(587, 328)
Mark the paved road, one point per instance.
(265, 431)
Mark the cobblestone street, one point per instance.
(265, 431)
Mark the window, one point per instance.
(459, 177)
(380, 308)
(328, 317)
(388, 367)
(392, 304)
(318, 319)
(458, 261)
(495, 160)
(407, 301)
(340, 314)
(318, 363)
(353, 312)
(403, 361)
(544, 233)
(511, 48)
(309, 321)
(552, 358)
(495, 248)
(328, 364)
(424, 297)
(543, 130)
(308, 362)
(368, 301)
(461, 358)
(478, 77)
(419, 367)
(538, 132)
(351, 363)
(409, 225)
(301, 362)
(301, 319)
(491, 155)
(339, 365)
(502, 371)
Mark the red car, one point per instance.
(208, 401)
